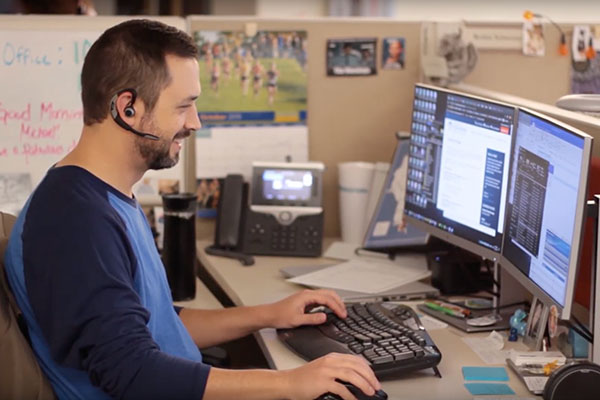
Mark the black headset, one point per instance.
(129, 112)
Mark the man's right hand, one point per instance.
(322, 375)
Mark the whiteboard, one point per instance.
(41, 114)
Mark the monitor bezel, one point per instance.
(532, 287)
(452, 238)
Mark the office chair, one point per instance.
(21, 376)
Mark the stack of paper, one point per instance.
(367, 276)
(537, 357)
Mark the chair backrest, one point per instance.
(21, 376)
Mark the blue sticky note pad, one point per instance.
(485, 373)
(488, 388)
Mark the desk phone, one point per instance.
(285, 215)
(280, 214)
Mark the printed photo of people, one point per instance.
(351, 57)
(393, 53)
(252, 79)
(208, 191)
(533, 39)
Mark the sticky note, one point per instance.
(488, 388)
(485, 373)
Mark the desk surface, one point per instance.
(263, 283)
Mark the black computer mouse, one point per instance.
(379, 394)
(317, 308)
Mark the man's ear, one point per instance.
(124, 104)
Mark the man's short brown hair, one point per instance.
(130, 55)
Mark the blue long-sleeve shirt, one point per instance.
(86, 274)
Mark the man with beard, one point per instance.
(83, 265)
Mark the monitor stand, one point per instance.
(504, 314)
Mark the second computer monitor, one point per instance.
(458, 168)
(546, 207)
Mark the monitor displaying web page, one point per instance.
(458, 168)
(546, 207)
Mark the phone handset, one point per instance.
(229, 221)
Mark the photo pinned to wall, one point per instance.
(393, 53)
(208, 191)
(582, 40)
(15, 188)
(534, 43)
(252, 80)
(596, 38)
(351, 57)
(585, 68)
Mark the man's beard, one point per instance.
(156, 153)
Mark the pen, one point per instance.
(445, 310)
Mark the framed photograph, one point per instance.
(351, 57)
(252, 80)
(393, 53)
(208, 191)
(536, 324)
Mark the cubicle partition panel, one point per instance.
(540, 78)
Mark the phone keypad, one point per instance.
(264, 235)
(283, 238)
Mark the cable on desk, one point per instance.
(580, 329)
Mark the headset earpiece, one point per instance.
(129, 111)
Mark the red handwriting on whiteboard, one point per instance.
(49, 112)
(38, 132)
(3, 152)
(34, 150)
(7, 114)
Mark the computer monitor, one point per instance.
(388, 230)
(546, 207)
(458, 168)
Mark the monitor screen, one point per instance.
(458, 168)
(388, 228)
(546, 207)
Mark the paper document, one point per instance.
(489, 349)
(367, 276)
(430, 323)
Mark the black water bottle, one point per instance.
(179, 247)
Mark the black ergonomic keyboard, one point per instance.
(389, 336)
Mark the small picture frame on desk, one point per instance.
(536, 325)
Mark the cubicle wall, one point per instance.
(542, 79)
(355, 118)
(349, 118)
